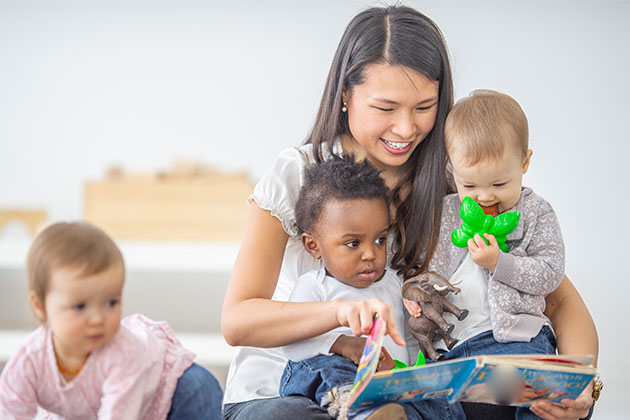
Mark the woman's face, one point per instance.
(390, 113)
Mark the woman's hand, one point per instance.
(358, 315)
(571, 410)
(413, 308)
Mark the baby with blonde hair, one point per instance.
(486, 139)
(84, 361)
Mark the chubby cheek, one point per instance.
(114, 324)
(463, 193)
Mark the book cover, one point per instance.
(518, 380)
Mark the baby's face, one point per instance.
(83, 312)
(491, 182)
(352, 240)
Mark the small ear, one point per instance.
(344, 96)
(37, 305)
(527, 160)
(311, 245)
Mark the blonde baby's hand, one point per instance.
(358, 315)
(413, 308)
(484, 255)
(570, 409)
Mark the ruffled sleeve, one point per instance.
(277, 191)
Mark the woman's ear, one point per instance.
(311, 245)
(37, 305)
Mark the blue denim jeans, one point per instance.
(198, 395)
(484, 343)
(290, 408)
(314, 377)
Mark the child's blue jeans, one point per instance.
(197, 396)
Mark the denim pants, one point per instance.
(198, 395)
(279, 408)
(314, 377)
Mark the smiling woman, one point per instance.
(389, 115)
(386, 99)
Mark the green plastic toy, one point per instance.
(476, 221)
(402, 365)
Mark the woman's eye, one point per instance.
(384, 109)
(424, 108)
(78, 306)
(352, 244)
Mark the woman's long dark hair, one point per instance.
(401, 36)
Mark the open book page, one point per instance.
(518, 380)
(524, 380)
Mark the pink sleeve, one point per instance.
(18, 397)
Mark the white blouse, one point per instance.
(255, 372)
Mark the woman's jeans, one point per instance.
(198, 395)
(314, 377)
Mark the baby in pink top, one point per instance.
(84, 362)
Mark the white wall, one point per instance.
(87, 84)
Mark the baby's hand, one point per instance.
(351, 348)
(413, 308)
(359, 316)
(483, 254)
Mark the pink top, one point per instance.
(132, 377)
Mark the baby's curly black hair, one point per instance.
(338, 178)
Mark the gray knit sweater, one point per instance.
(533, 267)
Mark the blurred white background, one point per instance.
(87, 84)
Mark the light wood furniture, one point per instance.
(188, 203)
(34, 219)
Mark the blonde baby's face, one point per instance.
(83, 312)
(491, 182)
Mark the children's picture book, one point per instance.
(518, 380)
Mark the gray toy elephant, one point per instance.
(429, 290)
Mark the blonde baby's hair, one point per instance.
(484, 124)
(76, 245)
